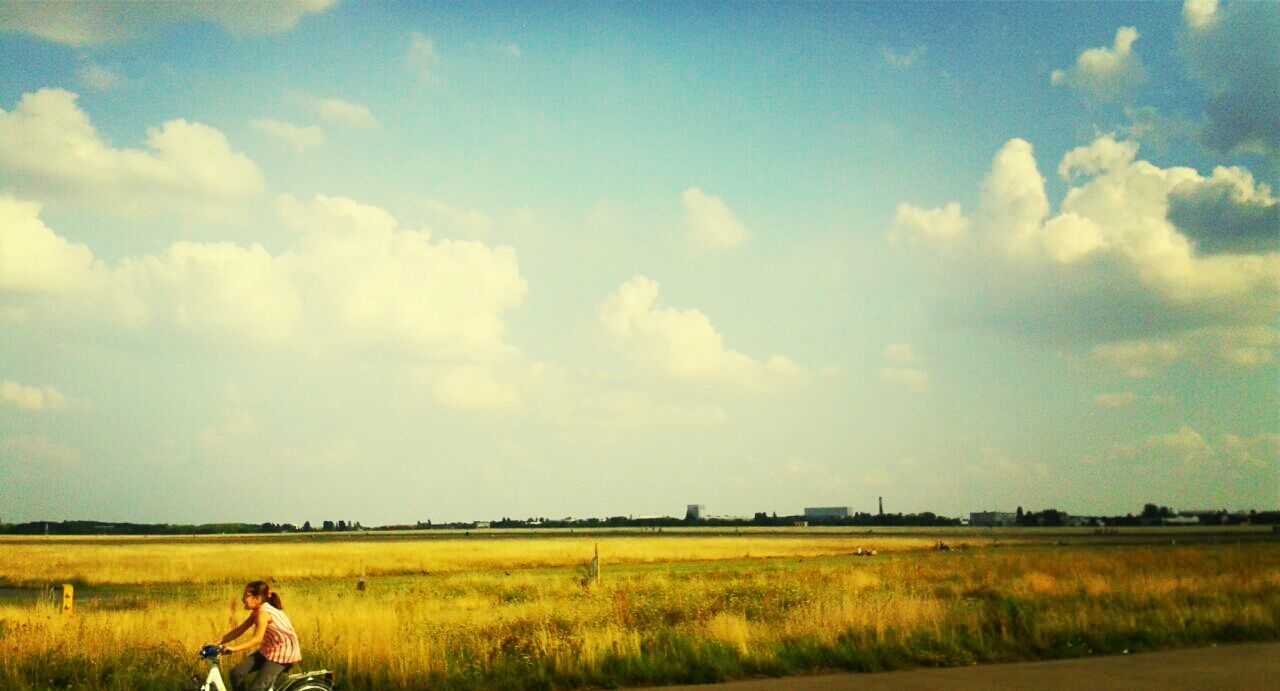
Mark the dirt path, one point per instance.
(1244, 666)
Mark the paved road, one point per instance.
(1245, 666)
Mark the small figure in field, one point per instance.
(272, 630)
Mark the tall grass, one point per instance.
(136, 563)
(674, 621)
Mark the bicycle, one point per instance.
(315, 680)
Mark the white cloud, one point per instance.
(994, 465)
(224, 437)
(710, 223)
(913, 380)
(903, 60)
(1122, 399)
(95, 77)
(301, 138)
(683, 344)
(372, 282)
(94, 23)
(901, 354)
(469, 223)
(1242, 347)
(621, 410)
(354, 281)
(33, 259)
(915, 226)
(474, 388)
(1105, 74)
(1234, 51)
(1108, 267)
(39, 399)
(910, 378)
(421, 57)
(1135, 359)
(1227, 212)
(37, 454)
(1200, 14)
(1156, 130)
(50, 149)
(510, 49)
(339, 112)
(1191, 450)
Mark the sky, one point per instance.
(398, 262)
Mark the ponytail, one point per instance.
(263, 590)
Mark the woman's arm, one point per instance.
(260, 619)
(237, 631)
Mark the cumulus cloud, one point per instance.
(354, 281)
(915, 226)
(509, 49)
(710, 223)
(339, 112)
(95, 77)
(469, 223)
(1109, 266)
(1105, 74)
(623, 410)
(1157, 130)
(89, 24)
(904, 370)
(901, 354)
(911, 379)
(302, 138)
(995, 466)
(1135, 359)
(34, 259)
(902, 60)
(1190, 449)
(1243, 347)
(226, 436)
(39, 399)
(1122, 399)
(50, 149)
(1227, 212)
(474, 388)
(683, 344)
(28, 453)
(421, 58)
(1234, 51)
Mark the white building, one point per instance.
(820, 512)
(993, 518)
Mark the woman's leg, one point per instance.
(242, 670)
(267, 674)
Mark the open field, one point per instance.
(497, 611)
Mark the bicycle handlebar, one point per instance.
(211, 652)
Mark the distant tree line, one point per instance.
(116, 528)
(1151, 514)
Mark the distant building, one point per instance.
(695, 512)
(820, 512)
(483, 524)
(1180, 520)
(993, 518)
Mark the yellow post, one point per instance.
(595, 565)
(68, 599)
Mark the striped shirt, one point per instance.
(280, 642)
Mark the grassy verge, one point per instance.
(680, 622)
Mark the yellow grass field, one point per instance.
(519, 612)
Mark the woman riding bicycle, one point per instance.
(272, 630)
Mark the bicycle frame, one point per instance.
(213, 682)
(314, 680)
